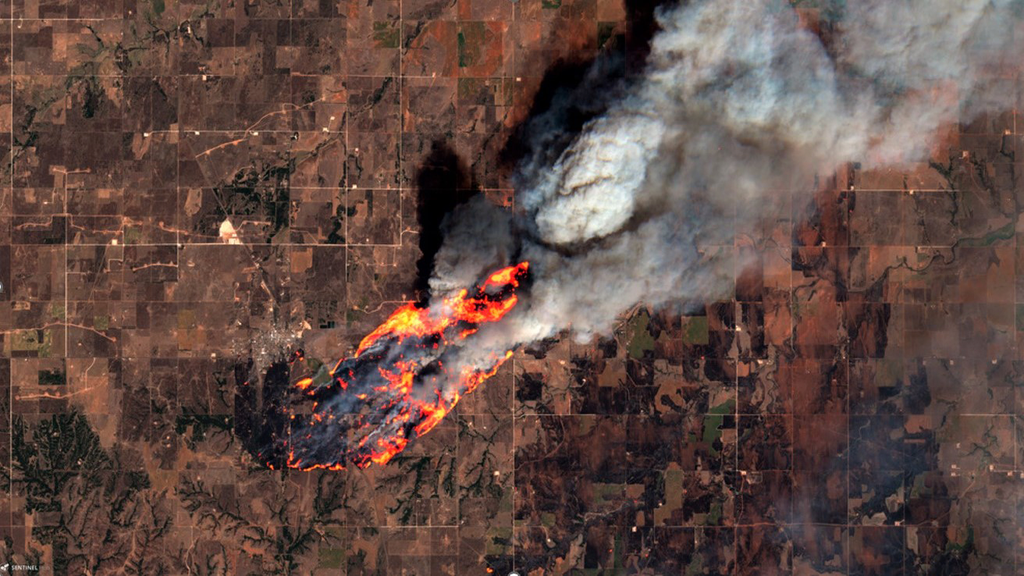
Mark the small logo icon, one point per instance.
(19, 567)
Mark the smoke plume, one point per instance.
(741, 103)
(740, 100)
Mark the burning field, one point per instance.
(645, 201)
(402, 380)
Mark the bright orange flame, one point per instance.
(434, 413)
(410, 321)
(406, 321)
(409, 415)
(389, 449)
(506, 276)
(401, 381)
(473, 379)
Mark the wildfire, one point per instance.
(403, 379)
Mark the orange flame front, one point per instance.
(404, 378)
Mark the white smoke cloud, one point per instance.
(737, 103)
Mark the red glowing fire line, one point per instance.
(462, 311)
